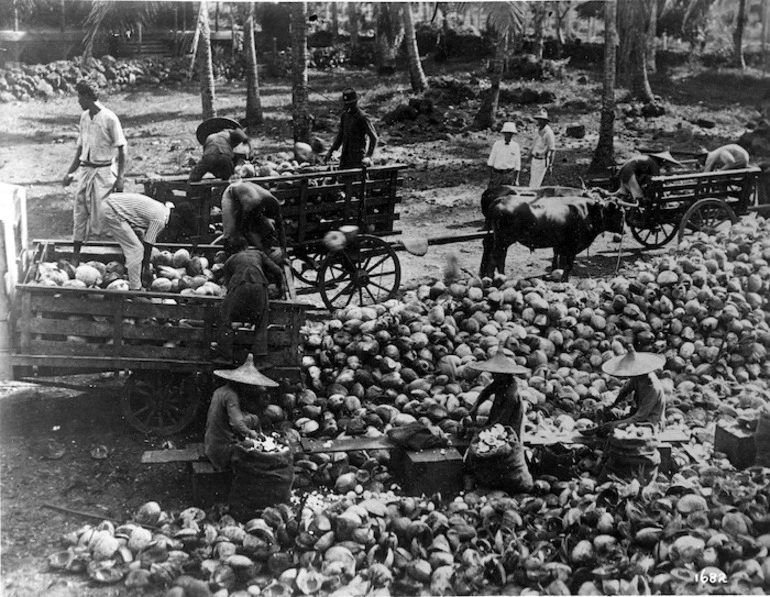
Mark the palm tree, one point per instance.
(389, 33)
(416, 75)
(633, 20)
(540, 12)
(120, 16)
(254, 115)
(205, 64)
(738, 59)
(353, 26)
(504, 19)
(604, 155)
(299, 95)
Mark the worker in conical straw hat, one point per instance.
(226, 422)
(636, 173)
(507, 407)
(643, 384)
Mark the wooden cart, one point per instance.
(160, 340)
(681, 204)
(318, 201)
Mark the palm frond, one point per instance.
(106, 15)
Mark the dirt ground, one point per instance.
(445, 177)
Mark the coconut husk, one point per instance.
(246, 373)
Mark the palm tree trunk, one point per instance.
(640, 81)
(652, 37)
(353, 26)
(604, 154)
(205, 64)
(540, 9)
(738, 58)
(389, 33)
(299, 93)
(633, 24)
(335, 22)
(416, 75)
(486, 117)
(253, 103)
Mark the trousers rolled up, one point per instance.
(132, 247)
(537, 169)
(632, 188)
(246, 303)
(94, 186)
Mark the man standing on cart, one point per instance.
(218, 148)
(355, 129)
(100, 138)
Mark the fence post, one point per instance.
(13, 244)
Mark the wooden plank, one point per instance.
(88, 327)
(189, 454)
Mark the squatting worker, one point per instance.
(354, 132)
(636, 173)
(246, 274)
(542, 151)
(124, 213)
(309, 153)
(226, 422)
(505, 159)
(507, 406)
(643, 385)
(219, 155)
(254, 212)
(727, 157)
(100, 163)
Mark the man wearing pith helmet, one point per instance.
(505, 159)
(643, 384)
(226, 422)
(352, 136)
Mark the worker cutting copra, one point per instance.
(226, 422)
(643, 385)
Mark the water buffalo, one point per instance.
(568, 224)
(490, 195)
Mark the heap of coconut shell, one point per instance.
(567, 537)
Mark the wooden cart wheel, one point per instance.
(707, 215)
(654, 236)
(160, 402)
(365, 272)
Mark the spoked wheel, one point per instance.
(654, 236)
(365, 272)
(307, 266)
(707, 215)
(161, 402)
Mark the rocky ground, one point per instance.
(444, 180)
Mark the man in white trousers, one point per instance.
(542, 151)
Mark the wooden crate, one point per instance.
(438, 470)
(736, 442)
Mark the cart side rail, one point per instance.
(71, 328)
(736, 187)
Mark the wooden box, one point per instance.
(736, 442)
(209, 485)
(438, 470)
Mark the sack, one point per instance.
(503, 467)
(631, 458)
(762, 438)
(260, 479)
(417, 436)
(559, 460)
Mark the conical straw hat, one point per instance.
(634, 363)
(666, 155)
(500, 364)
(248, 374)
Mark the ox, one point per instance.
(568, 224)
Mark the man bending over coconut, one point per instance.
(254, 212)
(245, 274)
(123, 214)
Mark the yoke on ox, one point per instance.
(568, 224)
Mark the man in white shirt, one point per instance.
(124, 213)
(727, 157)
(542, 151)
(100, 138)
(505, 159)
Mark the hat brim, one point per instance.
(667, 157)
(543, 118)
(500, 364)
(247, 374)
(214, 125)
(633, 364)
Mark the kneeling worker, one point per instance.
(727, 157)
(636, 173)
(645, 387)
(123, 213)
(226, 422)
(219, 155)
(246, 274)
